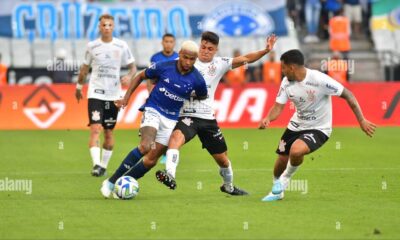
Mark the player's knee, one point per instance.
(146, 146)
(297, 151)
(149, 162)
(222, 159)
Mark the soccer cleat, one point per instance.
(280, 185)
(277, 187)
(166, 179)
(273, 197)
(98, 171)
(107, 189)
(235, 192)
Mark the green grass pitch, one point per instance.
(353, 190)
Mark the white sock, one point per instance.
(289, 171)
(172, 161)
(95, 154)
(106, 158)
(227, 175)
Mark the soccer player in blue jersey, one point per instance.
(168, 53)
(176, 81)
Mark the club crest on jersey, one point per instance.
(311, 95)
(212, 69)
(95, 115)
(187, 121)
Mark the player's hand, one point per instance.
(121, 103)
(78, 94)
(368, 127)
(264, 123)
(271, 40)
(125, 80)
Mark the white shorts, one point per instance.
(353, 12)
(152, 118)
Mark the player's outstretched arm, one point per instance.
(83, 72)
(367, 126)
(132, 71)
(132, 87)
(254, 56)
(273, 114)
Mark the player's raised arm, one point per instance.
(254, 56)
(273, 114)
(132, 71)
(134, 83)
(367, 126)
(83, 72)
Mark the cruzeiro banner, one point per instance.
(142, 19)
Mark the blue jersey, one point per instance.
(160, 57)
(172, 88)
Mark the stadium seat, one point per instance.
(80, 49)
(66, 46)
(42, 52)
(21, 53)
(5, 51)
(144, 49)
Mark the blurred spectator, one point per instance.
(272, 70)
(237, 76)
(339, 32)
(62, 71)
(3, 72)
(337, 68)
(294, 8)
(353, 11)
(312, 13)
(329, 9)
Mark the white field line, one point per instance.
(206, 170)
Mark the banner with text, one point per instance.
(55, 107)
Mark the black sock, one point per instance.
(130, 160)
(138, 171)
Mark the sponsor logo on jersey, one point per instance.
(310, 137)
(171, 95)
(333, 88)
(313, 84)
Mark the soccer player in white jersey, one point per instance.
(197, 116)
(311, 124)
(105, 55)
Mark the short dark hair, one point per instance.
(106, 16)
(168, 35)
(293, 56)
(210, 37)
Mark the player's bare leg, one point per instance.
(94, 146)
(226, 173)
(296, 155)
(280, 165)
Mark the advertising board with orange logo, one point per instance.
(55, 107)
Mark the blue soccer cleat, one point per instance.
(277, 188)
(163, 159)
(273, 197)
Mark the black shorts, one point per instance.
(313, 138)
(102, 112)
(208, 131)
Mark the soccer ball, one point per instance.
(126, 187)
